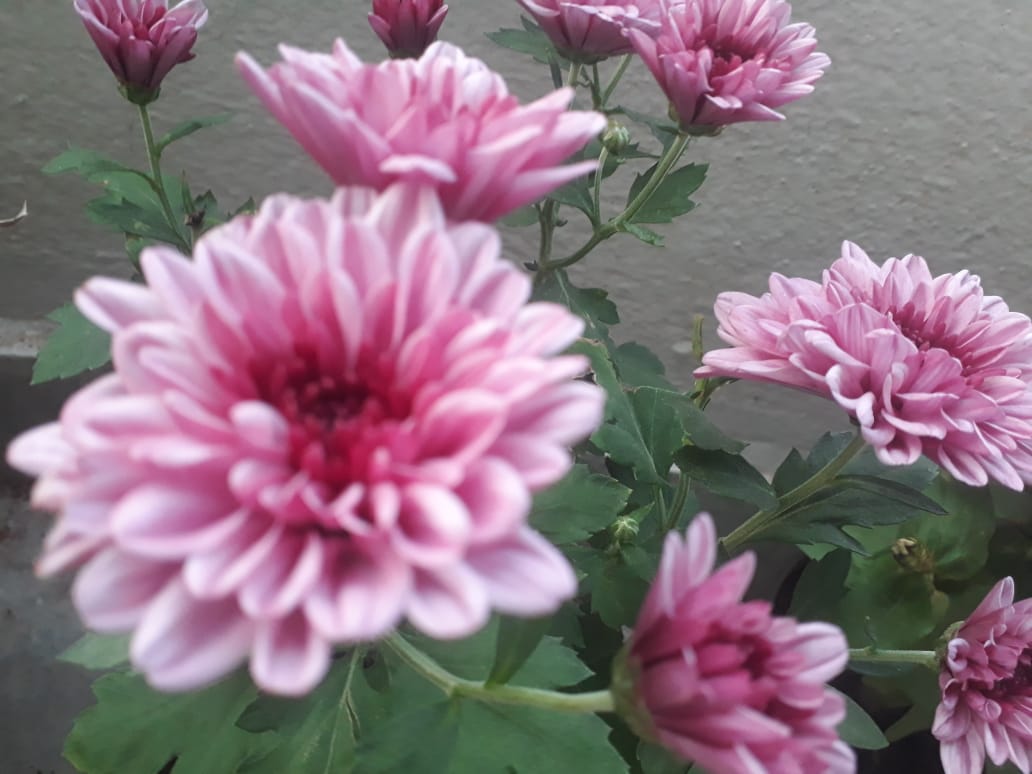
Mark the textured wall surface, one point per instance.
(917, 140)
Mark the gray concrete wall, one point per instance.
(918, 139)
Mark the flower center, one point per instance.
(1018, 684)
(336, 421)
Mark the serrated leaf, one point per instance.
(530, 40)
(638, 366)
(821, 586)
(620, 435)
(517, 640)
(659, 422)
(617, 589)
(726, 474)
(499, 739)
(313, 735)
(97, 651)
(858, 729)
(550, 665)
(76, 346)
(85, 162)
(646, 235)
(700, 430)
(420, 740)
(187, 128)
(577, 193)
(590, 304)
(670, 200)
(132, 728)
(580, 505)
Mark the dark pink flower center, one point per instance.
(1018, 684)
(337, 422)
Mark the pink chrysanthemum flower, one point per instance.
(333, 418)
(407, 27)
(590, 30)
(926, 365)
(444, 119)
(142, 40)
(722, 682)
(986, 683)
(726, 61)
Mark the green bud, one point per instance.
(616, 137)
(913, 556)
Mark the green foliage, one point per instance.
(132, 728)
(670, 200)
(577, 507)
(728, 475)
(97, 651)
(517, 640)
(858, 729)
(187, 128)
(77, 345)
(530, 40)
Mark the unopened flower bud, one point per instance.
(913, 556)
(616, 138)
(625, 529)
(407, 27)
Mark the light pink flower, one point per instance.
(726, 61)
(331, 419)
(725, 684)
(407, 27)
(444, 119)
(142, 40)
(986, 683)
(926, 365)
(590, 30)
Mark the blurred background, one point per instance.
(918, 139)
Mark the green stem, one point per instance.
(607, 92)
(154, 156)
(452, 686)
(763, 520)
(606, 230)
(684, 486)
(597, 194)
(871, 655)
(574, 75)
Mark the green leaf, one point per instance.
(577, 193)
(87, 163)
(821, 586)
(135, 729)
(580, 505)
(639, 366)
(76, 346)
(524, 216)
(550, 665)
(97, 651)
(530, 40)
(591, 304)
(620, 436)
(700, 431)
(659, 422)
(617, 589)
(889, 490)
(958, 542)
(187, 128)
(858, 729)
(313, 735)
(420, 740)
(499, 739)
(657, 760)
(646, 235)
(670, 200)
(517, 640)
(728, 475)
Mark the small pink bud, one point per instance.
(407, 27)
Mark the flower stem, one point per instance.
(154, 156)
(684, 485)
(763, 520)
(607, 92)
(453, 686)
(872, 655)
(606, 230)
(597, 193)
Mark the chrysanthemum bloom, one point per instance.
(590, 30)
(407, 27)
(444, 119)
(986, 683)
(333, 418)
(142, 40)
(926, 365)
(722, 682)
(726, 61)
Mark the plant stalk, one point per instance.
(871, 655)
(453, 686)
(154, 157)
(763, 520)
